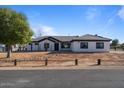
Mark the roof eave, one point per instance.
(89, 40)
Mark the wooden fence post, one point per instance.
(76, 62)
(46, 62)
(15, 62)
(99, 62)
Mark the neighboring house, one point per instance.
(85, 43)
(3, 48)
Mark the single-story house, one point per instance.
(85, 43)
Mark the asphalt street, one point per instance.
(85, 78)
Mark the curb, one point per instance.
(62, 68)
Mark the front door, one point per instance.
(56, 46)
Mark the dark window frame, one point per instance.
(85, 46)
(46, 45)
(98, 46)
(63, 45)
(36, 43)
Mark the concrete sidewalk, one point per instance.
(61, 68)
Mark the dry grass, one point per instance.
(24, 55)
(84, 58)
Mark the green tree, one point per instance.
(14, 29)
(115, 43)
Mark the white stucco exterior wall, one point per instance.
(75, 46)
(40, 47)
(51, 45)
(91, 47)
(35, 47)
(28, 47)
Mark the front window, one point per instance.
(84, 45)
(46, 45)
(36, 43)
(65, 45)
(100, 45)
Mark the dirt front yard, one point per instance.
(62, 58)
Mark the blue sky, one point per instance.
(107, 21)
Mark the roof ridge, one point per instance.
(69, 38)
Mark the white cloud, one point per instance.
(43, 30)
(107, 24)
(112, 17)
(121, 13)
(33, 14)
(92, 13)
(110, 20)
